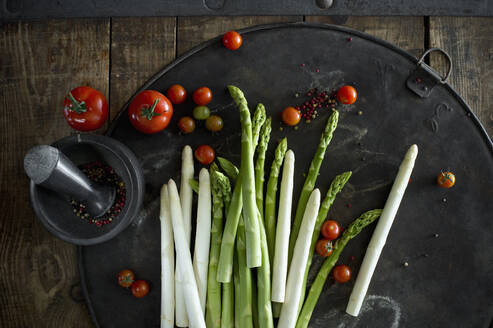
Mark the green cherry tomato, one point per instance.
(201, 112)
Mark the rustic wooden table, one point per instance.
(40, 61)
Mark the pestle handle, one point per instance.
(49, 167)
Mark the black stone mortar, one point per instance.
(54, 210)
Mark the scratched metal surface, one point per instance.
(448, 281)
(12, 10)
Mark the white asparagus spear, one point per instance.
(280, 267)
(291, 306)
(184, 261)
(167, 263)
(381, 232)
(203, 235)
(186, 208)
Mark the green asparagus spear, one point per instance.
(270, 197)
(225, 266)
(232, 217)
(229, 168)
(310, 180)
(252, 234)
(225, 186)
(194, 184)
(236, 282)
(259, 165)
(227, 316)
(213, 305)
(258, 121)
(233, 214)
(245, 275)
(232, 172)
(316, 289)
(335, 187)
(264, 304)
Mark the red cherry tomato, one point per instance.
(85, 109)
(341, 273)
(331, 229)
(446, 179)
(232, 40)
(202, 96)
(186, 124)
(347, 95)
(324, 247)
(140, 288)
(176, 94)
(150, 111)
(126, 278)
(291, 116)
(205, 154)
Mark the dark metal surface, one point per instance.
(424, 78)
(448, 280)
(33, 9)
(53, 208)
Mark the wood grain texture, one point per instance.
(140, 47)
(194, 30)
(469, 41)
(405, 32)
(39, 63)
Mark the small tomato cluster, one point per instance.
(331, 230)
(139, 288)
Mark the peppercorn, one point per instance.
(103, 174)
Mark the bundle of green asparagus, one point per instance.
(258, 261)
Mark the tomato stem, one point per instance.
(78, 107)
(148, 112)
(329, 247)
(447, 176)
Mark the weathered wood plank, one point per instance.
(139, 48)
(407, 33)
(469, 41)
(39, 63)
(194, 30)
